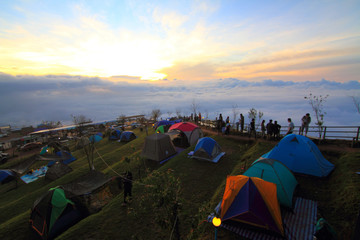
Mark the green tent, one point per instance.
(53, 213)
(274, 171)
(160, 129)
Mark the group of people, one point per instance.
(270, 131)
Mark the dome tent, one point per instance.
(192, 131)
(207, 149)
(251, 201)
(276, 172)
(300, 155)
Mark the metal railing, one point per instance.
(351, 133)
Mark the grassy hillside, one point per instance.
(201, 188)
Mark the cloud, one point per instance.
(31, 99)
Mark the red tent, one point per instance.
(192, 131)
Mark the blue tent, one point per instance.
(276, 172)
(115, 135)
(208, 149)
(127, 136)
(95, 138)
(166, 122)
(6, 176)
(301, 155)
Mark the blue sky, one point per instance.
(206, 50)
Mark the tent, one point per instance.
(166, 123)
(127, 136)
(115, 134)
(252, 201)
(274, 171)
(6, 176)
(192, 131)
(158, 147)
(94, 190)
(53, 213)
(178, 138)
(160, 129)
(207, 149)
(300, 155)
(95, 138)
(57, 170)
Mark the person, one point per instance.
(305, 122)
(220, 120)
(263, 129)
(241, 122)
(227, 128)
(199, 117)
(269, 129)
(277, 128)
(227, 119)
(127, 180)
(252, 128)
(290, 127)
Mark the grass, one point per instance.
(202, 186)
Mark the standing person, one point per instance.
(219, 123)
(127, 185)
(307, 123)
(263, 129)
(269, 129)
(302, 127)
(199, 117)
(277, 128)
(227, 119)
(242, 121)
(252, 128)
(290, 127)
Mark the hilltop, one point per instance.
(201, 187)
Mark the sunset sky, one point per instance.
(174, 48)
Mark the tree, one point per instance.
(121, 119)
(194, 107)
(155, 113)
(178, 113)
(317, 104)
(51, 124)
(257, 115)
(356, 101)
(80, 121)
(161, 197)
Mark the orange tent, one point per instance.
(253, 201)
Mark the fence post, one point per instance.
(324, 133)
(357, 135)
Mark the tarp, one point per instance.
(252, 201)
(276, 172)
(34, 175)
(57, 170)
(6, 175)
(301, 155)
(207, 149)
(87, 183)
(158, 147)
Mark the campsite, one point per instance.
(173, 194)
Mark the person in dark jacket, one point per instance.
(127, 181)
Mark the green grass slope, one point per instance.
(201, 183)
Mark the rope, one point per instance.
(173, 227)
(118, 173)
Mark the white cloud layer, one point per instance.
(30, 99)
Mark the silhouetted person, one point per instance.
(127, 180)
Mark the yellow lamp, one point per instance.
(216, 222)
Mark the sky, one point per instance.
(106, 58)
